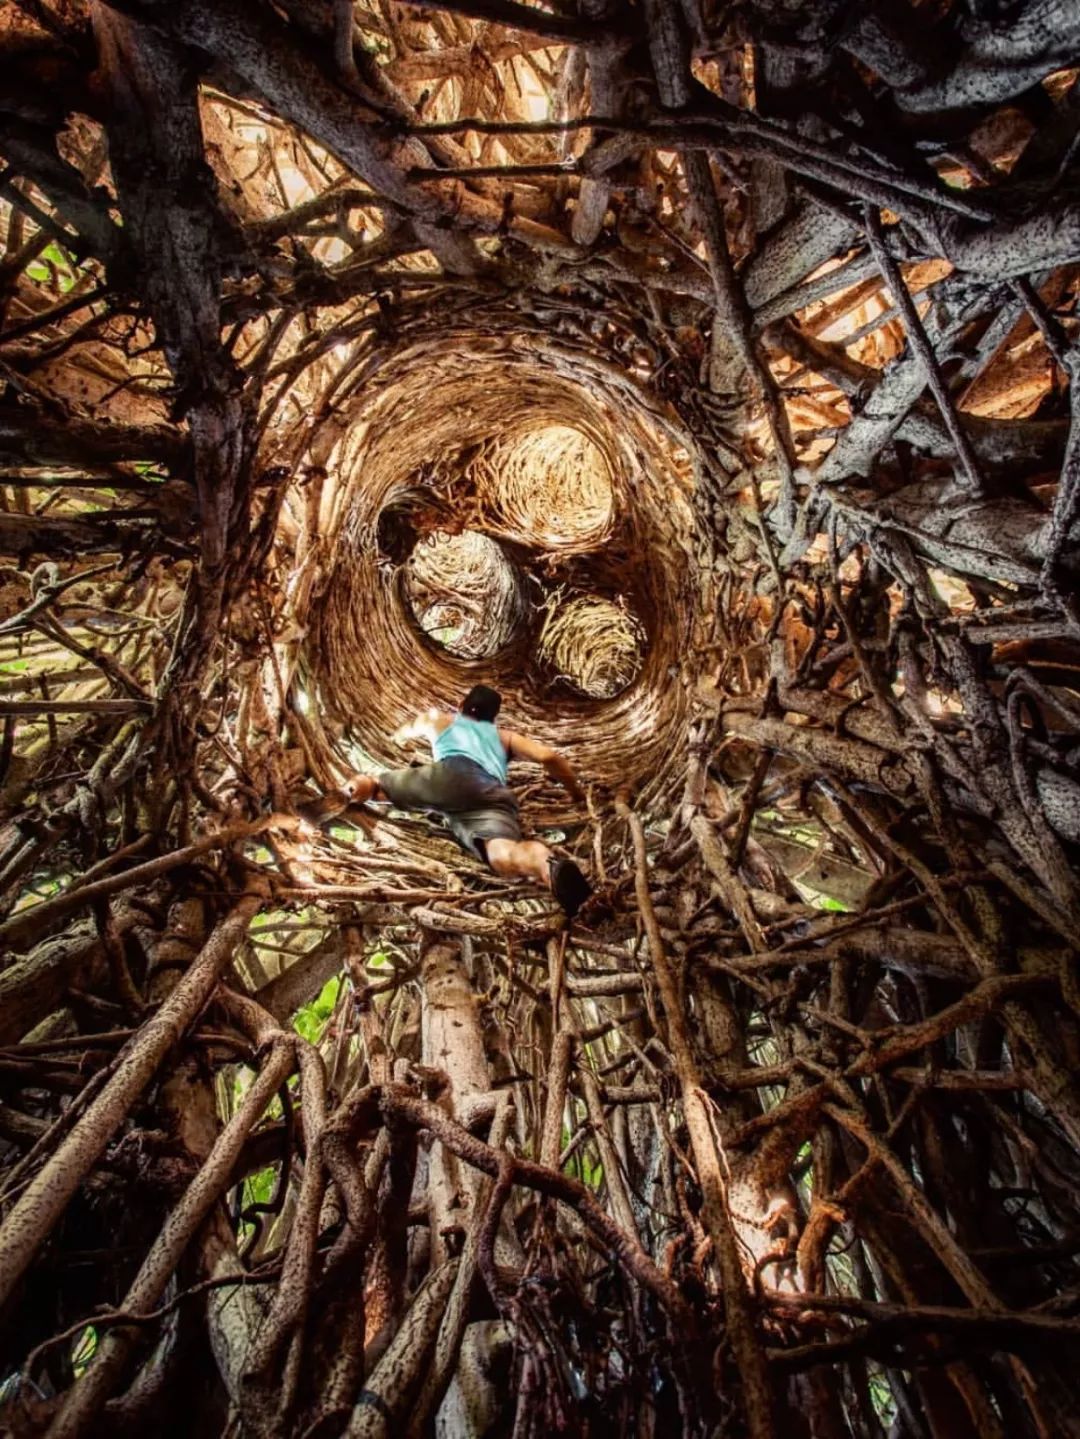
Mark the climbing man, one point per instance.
(467, 784)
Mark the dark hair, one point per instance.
(482, 703)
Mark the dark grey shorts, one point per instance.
(477, 807)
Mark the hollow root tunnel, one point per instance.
(704, 378)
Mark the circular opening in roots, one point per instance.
(595, 645)
(464, 593)
(554, 485)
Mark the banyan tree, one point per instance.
(706, 377)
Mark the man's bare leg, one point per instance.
(510, 858)
(514, 858)
(520, 859)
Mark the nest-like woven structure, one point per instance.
(588, 495)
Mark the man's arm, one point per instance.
(427, 725)
(556, 764)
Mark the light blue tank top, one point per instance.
(476, 740)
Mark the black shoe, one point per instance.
(569, 885)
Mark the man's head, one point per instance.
(482, 703)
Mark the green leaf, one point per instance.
(54, 263)
(881, 1396)
(324, 1005)
(83, 1350)
(258, 1187)
(592, 1173)
(311, 1019)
